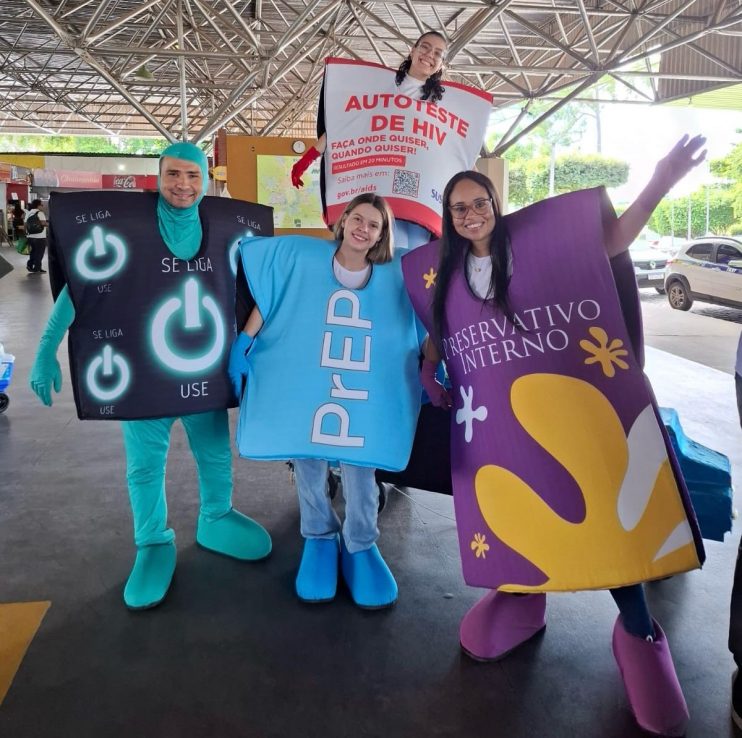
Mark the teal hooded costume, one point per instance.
(220, 528)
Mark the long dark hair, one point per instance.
(432, 89)
(454, 248)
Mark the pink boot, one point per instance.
(651, 684)
(500, 622)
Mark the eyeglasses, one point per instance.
(426, 48)
(480, 207)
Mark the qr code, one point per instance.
(405, 183)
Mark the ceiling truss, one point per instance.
(186, 68)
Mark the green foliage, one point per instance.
(520, 152)
(27, 144)
(518, 185)
(529, 179)
(671, 213)
(729, 168)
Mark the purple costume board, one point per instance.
(563, 477)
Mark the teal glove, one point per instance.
(46, 372)
(237, 369)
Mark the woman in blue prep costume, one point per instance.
(329, 358)
(182, 184)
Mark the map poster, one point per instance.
(292, 208)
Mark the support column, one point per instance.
(497, 170)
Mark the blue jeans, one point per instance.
(319, 519)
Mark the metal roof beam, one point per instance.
(66, 38)
(117, 23)
(505, 145)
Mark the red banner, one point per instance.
(92, 180)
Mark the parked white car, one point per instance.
(649, 265)
(708, 269)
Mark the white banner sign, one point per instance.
(381, 140)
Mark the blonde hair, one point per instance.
(383, 250)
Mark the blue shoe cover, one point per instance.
(234, 535)
(369, 580)
(150, 578)
(317, 579)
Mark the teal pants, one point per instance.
(147, 442)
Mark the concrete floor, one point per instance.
(232, 653)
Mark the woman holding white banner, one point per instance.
(391, 134)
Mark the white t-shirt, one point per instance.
(479, 273)
(411, 87)
(347, 278)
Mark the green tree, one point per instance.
(535, 169)
(15, 143)
(529, 179)
(672, 215)
(518, 186)
(729, 168)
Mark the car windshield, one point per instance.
(640, 245)
(649, 241)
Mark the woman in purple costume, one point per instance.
(476, 238)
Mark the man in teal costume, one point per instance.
(183, 181)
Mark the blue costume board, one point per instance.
(152, 332)
(333, 373)
(708, 476)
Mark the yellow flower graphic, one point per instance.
(430, 278)
(479, 545)
(634, 528)
(605, 353)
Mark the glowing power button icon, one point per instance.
(234, 253)
(107, 365)
(102, 245)
(190, 304)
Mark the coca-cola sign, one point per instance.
(125, 182)
(130, 181)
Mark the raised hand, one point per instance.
(683, 157)
(621, 233)
(302, 165)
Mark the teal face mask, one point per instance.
(181, 227)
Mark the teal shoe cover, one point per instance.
(317, 579)
(150, 578)
(234, 535)
(369, 580)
